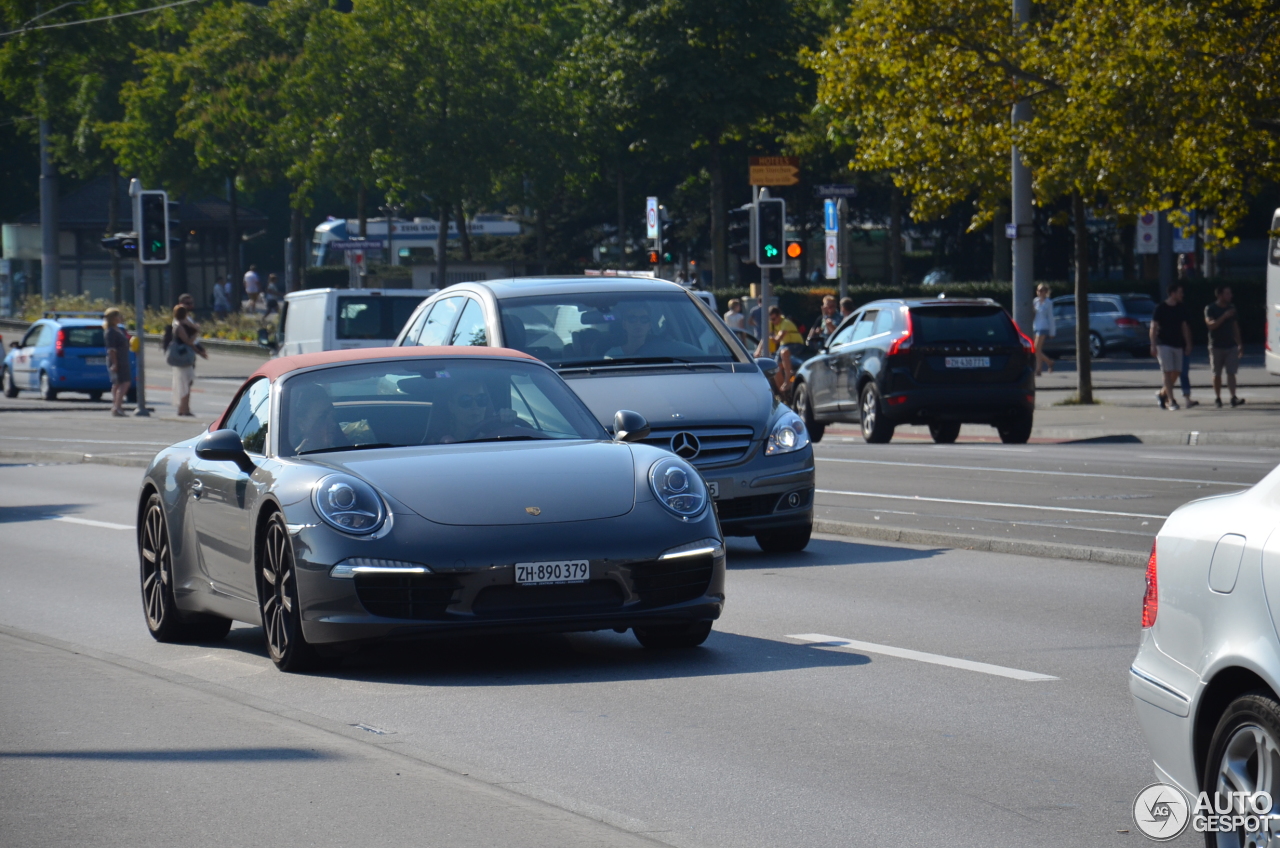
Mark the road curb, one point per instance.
(72, 457)
(1047, 550)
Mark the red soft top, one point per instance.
(276, 368)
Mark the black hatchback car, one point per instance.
(938, 362)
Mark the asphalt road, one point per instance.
(856, 694)
(1100, 495)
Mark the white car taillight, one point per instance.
(1150, 600)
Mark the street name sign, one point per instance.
(773, 170)
(831, 190)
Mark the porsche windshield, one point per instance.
(618, 328)
(428, 402)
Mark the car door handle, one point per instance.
(197, 489)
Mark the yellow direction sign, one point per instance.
(774, 170)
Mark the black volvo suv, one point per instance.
(938, 362)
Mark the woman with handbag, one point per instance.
(181, 355)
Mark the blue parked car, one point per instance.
(60, 353)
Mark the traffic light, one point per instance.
(771, 223)
(124, 245)
(740, 230)
(153, 228)
(795, 249)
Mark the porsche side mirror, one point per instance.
(629, 426)
(266, 340)
(767, 365)
(224, 446)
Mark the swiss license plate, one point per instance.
(533, 573)
(95, 360)
(714, 488)
(968, 362)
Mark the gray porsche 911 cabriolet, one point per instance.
(354, 496)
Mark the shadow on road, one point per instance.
(35, 512)
(744, 555)
(555, 659)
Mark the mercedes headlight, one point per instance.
(349, 504)
(678, 487)
(788, 434)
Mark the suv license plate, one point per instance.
(533, 573)
(95, 360)
(714, 488)
(968, 362)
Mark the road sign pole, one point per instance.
(765, 273)
(140, 314)
(842, 247)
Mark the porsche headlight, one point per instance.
(678, 487)
(349, 504)
(788, 434)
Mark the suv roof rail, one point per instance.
(58, 313)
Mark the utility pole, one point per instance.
(139, 300)
(1022, 229)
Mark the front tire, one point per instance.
(278, 602)
(678, 636)
(1016, 430)
(10, 387)
(788, 540)
(47, 391)
(944, 432)
(165, 621)
(95, 396)
(804, 408)
(876, 429)
(1244, 756)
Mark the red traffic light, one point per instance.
(794, 249)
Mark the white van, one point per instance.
(315, 320)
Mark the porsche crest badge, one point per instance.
(533, 510)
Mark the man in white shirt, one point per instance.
(251, 287)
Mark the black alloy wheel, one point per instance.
(1096, 348)
(944, 432)
(47, 391)
(677, 636)
(786, 540)
(10, 387)
(278, 601)
(876, 429)
(1244, 756)
(804, 408)
(1016, 430)
(165, 621)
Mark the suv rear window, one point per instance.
(1140, 306)
(373, 316)
(84, 336)
(978, 325)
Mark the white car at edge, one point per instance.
(1207, 673)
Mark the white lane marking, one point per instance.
(819, 640)
(1027, 471)
(988, 503)
(76, 441)
(89, 522)
(960, 519)
(1172, 458)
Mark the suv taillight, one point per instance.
(1128, 322)
(1151, 600)
(60, 345)
(903, 341)
(1027, 345)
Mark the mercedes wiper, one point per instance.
(370, 446)
(626, 360)
(520, 438)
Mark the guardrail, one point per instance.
(9, 325)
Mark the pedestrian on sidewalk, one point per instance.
(273, 294)
(846, 307)
(117, 344)
(181, 356)
(252, 287)
(1225, 344)
(1043, 327)
(734, 318)
(1170, 341)
(221, 299)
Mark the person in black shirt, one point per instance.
(1170, 341)
(119, 368)
(1225, 344)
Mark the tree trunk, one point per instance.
(895, 236)
(622, 217)
(362, 216)
(233, 244)
(1084, 364)
(464, 232)
(540, 222)
(297, 249)
(442, 245)
(719, 247)
(113, 224)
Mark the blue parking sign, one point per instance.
(830, 224)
